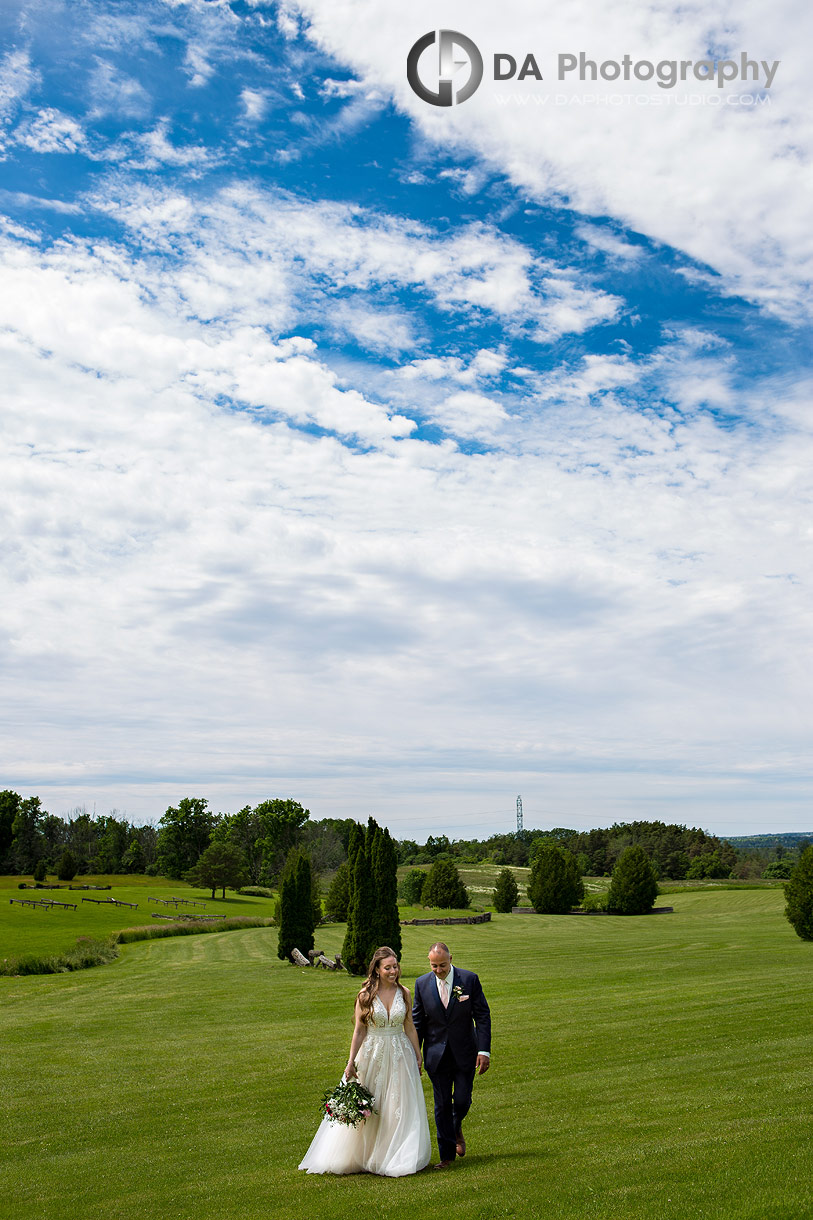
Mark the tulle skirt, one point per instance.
(395, 1141)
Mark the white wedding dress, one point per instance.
(394, 1141)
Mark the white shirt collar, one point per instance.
(449, 980)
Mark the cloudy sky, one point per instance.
(403, 458)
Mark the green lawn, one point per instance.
(650, 1067)
(36, 930)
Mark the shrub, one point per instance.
(595, 901)
(256, 891)
(443, 887)
(86, 953)
(411, 887)
(555, 885)
(506, 891)
(67, 867)
(799, 895)
(781, 869)
(40, 871)
(634, 887)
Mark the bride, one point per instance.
(385, 1057)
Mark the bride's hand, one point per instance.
(350, 1071)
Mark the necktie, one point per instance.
(444, 993)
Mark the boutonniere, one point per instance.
(457, 992)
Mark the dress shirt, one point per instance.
(449, 980)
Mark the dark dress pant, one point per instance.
(452, 1086)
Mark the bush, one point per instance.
(799, 895)
(411, 887)
(40, 872)
(256, 891)
(506, 891)
(779, 869)
(595, 902)
(555, 885)
(86, 953)
(443, 887)
(67, 867)
(634, 887)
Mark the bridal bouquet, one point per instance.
(349, 1103)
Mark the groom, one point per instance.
(453, 1023)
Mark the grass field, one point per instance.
(34, 930)
(642, 1068)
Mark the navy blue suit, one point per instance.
(451, 1039)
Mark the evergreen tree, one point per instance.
(387, 927)
(555, 885)
(40, 871)
(338, 896)
(506, 891)
(360, 943)
(316, 897)
(443, 887)
(634, 886)
(296, 906)
(411, 887)
(799, 895)
(66, 869)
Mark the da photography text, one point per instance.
(445, 68)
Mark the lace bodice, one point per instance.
(395, 1021)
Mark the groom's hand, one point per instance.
(483, 1064)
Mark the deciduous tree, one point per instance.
(183, 835)
(220, 865)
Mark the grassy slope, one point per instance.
(642, 1068)
(33, 930)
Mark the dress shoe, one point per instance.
(460, 1144)
(444, 1165)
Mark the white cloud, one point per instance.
(255, 104)
(618, 589)
(269, 246)
(17, 77)
(727, 185)
(51, 132)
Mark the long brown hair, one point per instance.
(370, 989)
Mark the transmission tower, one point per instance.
(519, 815)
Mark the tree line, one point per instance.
(264, 834)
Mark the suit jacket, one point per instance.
(464, 1027)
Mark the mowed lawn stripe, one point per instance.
(642, 1067)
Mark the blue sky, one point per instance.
(402, 458)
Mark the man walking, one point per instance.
(454, 1028)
